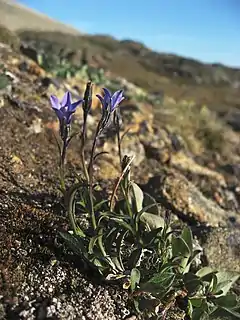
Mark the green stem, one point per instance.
(71, 215)
(62, 164)
(85, 171)
(90, 174)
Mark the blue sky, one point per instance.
(208, 30)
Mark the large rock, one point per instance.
(183, 198)
(222, 249)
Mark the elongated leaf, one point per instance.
(119, 242)
(213, 283)
(148, 200)
(100, 204)
(75, 244)
(196, 302)
(188, 238)
(124, 224)
(180, 247)
(152, 235)
(225, 280)
(92, 243)
(159, 285)
(137, 197)
(229, 301)
(205, 273)
(195, 253)
(135, 278)
(232, 312)
(135, 258)
(118, 264)
(153, 221)
(111, 238)
(191, 282)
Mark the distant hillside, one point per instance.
(179, 77)
(15, 16)
(182, 78)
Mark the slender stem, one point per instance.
(127, 202)
(117, 121)
(90, 174)
(118, 182)
(85, 171)
(71, 211)
(119, 146)
(87, 104)
(62, 164)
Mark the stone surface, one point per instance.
(222, 249)
(175, 191)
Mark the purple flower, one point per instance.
(110, 102)
(64, 109)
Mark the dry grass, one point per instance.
(199, 127)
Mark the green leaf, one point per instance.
(138, 215)
(232, 312)
(124, 224)
(205, 273)
(4, 81)
(135, 278)
(153, 221)
(119, 243)
(137, 196)
(196, 302)
(100, 204)
(148, 200)
(188, 238)
(180, 247)
(75, 243)
(225, 280)
(160, 283)
(195, 253)
(152, 235)
(229, 301)
(111, 238)
(199, 314)
(189, 309)
(135, 257)
(191, 282)
(92, 243)
(212, 284)
(78, 231)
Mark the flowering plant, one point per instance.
(126, 239)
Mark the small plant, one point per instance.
(125, 239)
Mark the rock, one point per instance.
(36, 126)
(134, 115)
(177, 193)
(222, 249)
(183, 162)
(157, 145)
(29, 52)
(130, 146)
(106, 168)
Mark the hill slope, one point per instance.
(15, 16)
(179, 77)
